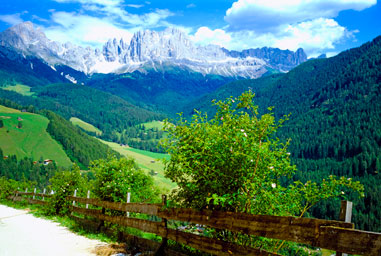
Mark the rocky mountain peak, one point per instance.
(150, 49)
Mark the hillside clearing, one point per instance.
(19, 88)
(85, 126)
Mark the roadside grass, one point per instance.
(85, 126)
(65, 221)
(31, 140)
(19, 88)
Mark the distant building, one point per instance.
(5, 157)
(47, 161)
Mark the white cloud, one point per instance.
(290, 24)
(192, 5)
(108, 19)
(84, 30)
(315, 37)
(12, 19)
(137, 6)
(264, 15)
(318, 34)
(99, 2)
(148, 20)
(205, 36)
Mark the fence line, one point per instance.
(334, 235)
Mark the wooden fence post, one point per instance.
(346, 216)
(128, 200)
(34, 193)
(88, 196)
(160, 250)
(43, 198)
(75, 194)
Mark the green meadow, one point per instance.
(85, 126)
(19, 88)
(31, 140)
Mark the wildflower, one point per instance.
(342, 192)
(245, 134)
(271, 167)
(242, 130)
(273, 185)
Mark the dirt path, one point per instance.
(23, 234)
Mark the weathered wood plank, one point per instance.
(213, 246)
(150, 209)
(303, 230)
(144, 225)
(350, 241)
(32, 194)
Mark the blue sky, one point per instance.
(318, 26)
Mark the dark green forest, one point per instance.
(80, 147)
(335, 122)
(158, 90)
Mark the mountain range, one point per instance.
(149, 50)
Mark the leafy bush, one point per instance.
(7, 187)
(63, 184)
(235, 162)
(114, 178)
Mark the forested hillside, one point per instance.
(164, 91)
(104, 110)
(80, 147)
(335, 121)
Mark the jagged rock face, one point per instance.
(150, 49)
(283, 60)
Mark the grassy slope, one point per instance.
(86, 126)
(31, 140)
(147, 161)
(154, 124)
(19, 88)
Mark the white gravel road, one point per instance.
(23, 234)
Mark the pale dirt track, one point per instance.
(23, 234)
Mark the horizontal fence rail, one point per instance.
(328, 234)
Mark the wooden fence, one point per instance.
(333, 235)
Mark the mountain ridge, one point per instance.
(150, 48)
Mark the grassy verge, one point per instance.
(65, 221)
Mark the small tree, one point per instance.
(1, 123)
(63, 183)
(235, 162)
(114, 178)
(19, 125)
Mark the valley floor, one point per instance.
(23, 234)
